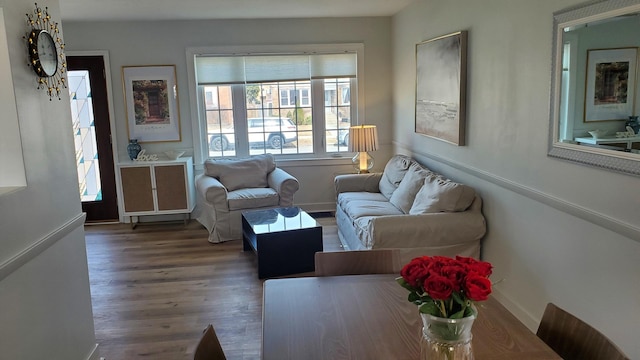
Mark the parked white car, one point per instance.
(273, 130)
(343, 137)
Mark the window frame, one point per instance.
(198, 108)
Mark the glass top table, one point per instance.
(285, 240)
(280, 219)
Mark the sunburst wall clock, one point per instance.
(46, 52)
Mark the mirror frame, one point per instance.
(623, 162)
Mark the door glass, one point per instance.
(84, 134)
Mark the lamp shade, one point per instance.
(363, 138)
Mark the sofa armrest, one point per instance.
(435, 229)
(284, 184)
(212, 190)
(357, 182)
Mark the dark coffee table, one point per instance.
(285, 240)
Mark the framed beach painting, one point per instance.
(151, 103)
(611, 77)
(441, 71)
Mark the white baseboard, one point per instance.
(527, 319)
(317, 207)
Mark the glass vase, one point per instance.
(133, 149)
(446, 339)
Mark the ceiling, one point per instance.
(109, 10)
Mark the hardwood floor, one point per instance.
(156, 287)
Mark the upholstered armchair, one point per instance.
(229, 186)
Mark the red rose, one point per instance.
(477, 287)
(438, 287)
(437, 262)
(416, 271)
(481, 267)
(455, 273)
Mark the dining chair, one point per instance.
(209, 347)
(358, 262)
(573, 339)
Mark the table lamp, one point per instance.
(363, 138)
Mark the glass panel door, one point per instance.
(84, 135)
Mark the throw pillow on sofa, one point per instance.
(241, 173)
(393, 174)
(442, 195)
(413, 180)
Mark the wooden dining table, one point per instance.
(368, 317)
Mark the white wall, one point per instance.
(165, 42)
(543, 254)
(45, 302)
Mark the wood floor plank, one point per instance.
(156, 287)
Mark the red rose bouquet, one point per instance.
(446, 287)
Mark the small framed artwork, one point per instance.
(610, 91)
(151, 103)
(441, 71)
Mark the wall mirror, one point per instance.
(595, 91)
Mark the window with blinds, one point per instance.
(298, 104)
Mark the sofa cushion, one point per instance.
(241, 173)
(358, 208)
(252, 198)
(393, 173)
(344, 198)
(441, 195)
(406, 192)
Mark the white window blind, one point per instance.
(333, 65)
(276, 68)
(211, 69)
(219, 70)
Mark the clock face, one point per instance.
(47, 53)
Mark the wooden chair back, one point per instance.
(573, 339)
(209, 347)
(358, 262)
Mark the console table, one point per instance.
(610, 140)
(156, 187)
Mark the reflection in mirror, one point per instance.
(595, 93)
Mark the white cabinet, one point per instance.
(157, 187)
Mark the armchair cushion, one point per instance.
(252, 198)
(241, 173)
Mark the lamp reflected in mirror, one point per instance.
(362, 139)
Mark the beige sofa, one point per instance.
(229, 186)
(411, 208)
